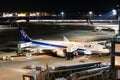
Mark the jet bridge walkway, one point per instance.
(85, 71)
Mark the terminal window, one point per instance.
(117, 54)
(117, 48)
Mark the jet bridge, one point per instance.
(91, 70)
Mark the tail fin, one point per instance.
(65, 39)
(24, 36)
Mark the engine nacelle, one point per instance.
(63, 52)
(60, 53)
(87, 52)
(71, 49)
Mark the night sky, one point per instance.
(58, 5)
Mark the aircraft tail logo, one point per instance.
(24, 36)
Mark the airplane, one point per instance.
(61, 47)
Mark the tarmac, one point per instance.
(15, 69)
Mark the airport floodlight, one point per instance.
(90, 12)
(62, 13)
(37, 13)
(114, 12)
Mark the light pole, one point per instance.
(90, 16)
(38, 15)
(62, 14)
(118, 14)
(114, 14)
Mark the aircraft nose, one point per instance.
(107, 50)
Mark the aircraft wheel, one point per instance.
(75, 53)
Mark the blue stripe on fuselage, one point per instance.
(47, 44)
(82, 50)
(58, 46)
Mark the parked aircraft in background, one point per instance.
(61, 47)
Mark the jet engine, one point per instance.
(60, 53)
